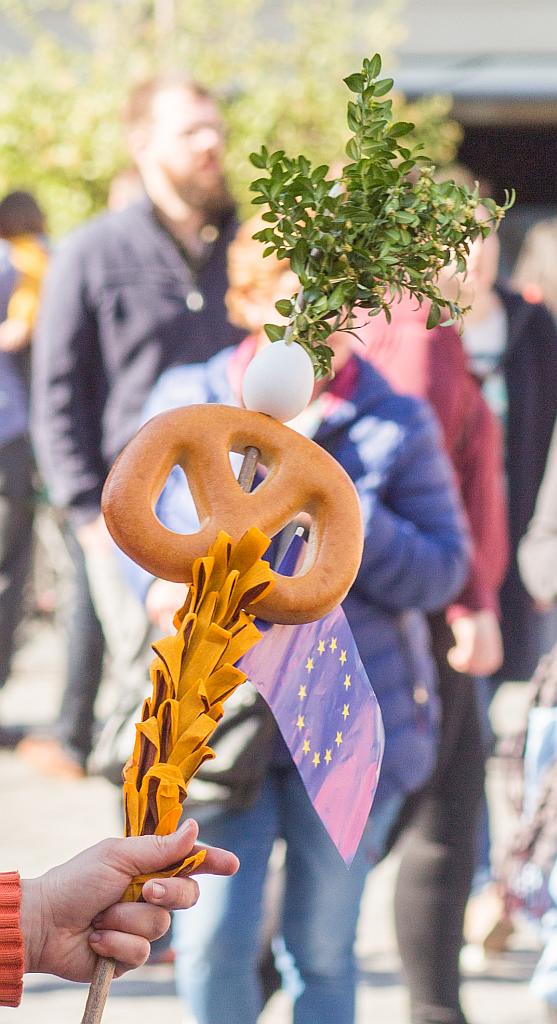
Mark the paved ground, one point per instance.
(45, 822)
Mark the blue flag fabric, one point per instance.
(314, 682)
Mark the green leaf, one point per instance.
(284, 307)
(352, 149)
(336, 298)
(352, 121)
(401, 128)
(355, 82)
(383, 86)
(274, 333)
(434, 316)
(319, 306)
(405, 218)
(258, 160)
(299, 257)
(374, 66)
(319, 172)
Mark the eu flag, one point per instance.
(313, 680)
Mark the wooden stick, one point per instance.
(98, 991)
(249, 466)
(104, 970)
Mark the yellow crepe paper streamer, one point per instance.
(192, 675)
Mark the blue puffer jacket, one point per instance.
(416, 552)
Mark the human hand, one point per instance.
(478, 646)
(71, 915)
(14, 334)
(162, 602)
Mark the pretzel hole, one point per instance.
(296, 547)
(236, 461)
(175, 494)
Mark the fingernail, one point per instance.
(158, 890)
(95, 937)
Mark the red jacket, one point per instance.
(432, 365)
(11, 940)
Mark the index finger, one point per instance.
(217, 861)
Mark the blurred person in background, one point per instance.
(415, 558)
(439, 823)
(128, 294)
(125, 188)
(23, 259)
(63, 748)
(22, 226)
(528, 874)
(511, 346)
(535, 273)
(512, 351)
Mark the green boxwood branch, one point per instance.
(383, 228)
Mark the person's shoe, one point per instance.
(49, 757)
(11, 735)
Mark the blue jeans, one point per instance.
(217, 942)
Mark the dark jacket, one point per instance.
(530, 371)
(416, 548)
(121, 304)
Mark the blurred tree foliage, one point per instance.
(278, 71)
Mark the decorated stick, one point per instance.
(105, 967)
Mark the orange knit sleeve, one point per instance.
(11, 940)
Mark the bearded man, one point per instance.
(129, 294)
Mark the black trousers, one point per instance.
(16, 541)
(438, 851)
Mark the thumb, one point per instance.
(139, 855)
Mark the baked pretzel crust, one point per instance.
(301, 477)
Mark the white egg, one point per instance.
(279, 380)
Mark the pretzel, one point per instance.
(301, 477)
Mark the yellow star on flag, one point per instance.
(346, 711)
(306, 747)
(328, 756)
(302, 692)
(333, 644)
(342, 657)
(309, 664)
(338, 739)
(321, 647)
(300, 723)
(316, 759)
(347, 682)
